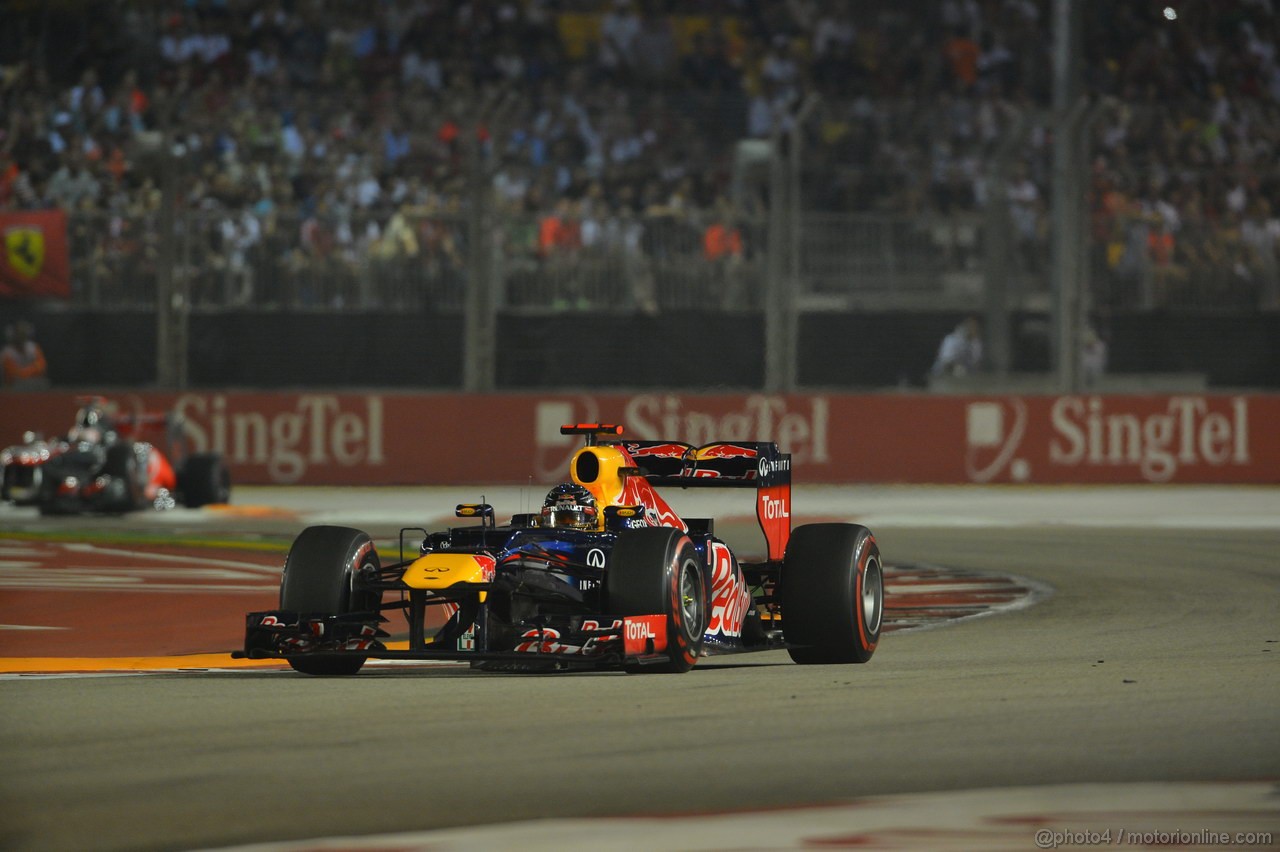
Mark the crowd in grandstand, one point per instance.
(327, 134)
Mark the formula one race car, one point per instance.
(606, 576)
(110, 462)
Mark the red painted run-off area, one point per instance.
(77, 600)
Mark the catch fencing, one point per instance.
(644, 263)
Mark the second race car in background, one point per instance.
(111, 461)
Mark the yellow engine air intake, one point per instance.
(445, 570)
(600, 470)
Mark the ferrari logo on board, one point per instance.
(24, 250)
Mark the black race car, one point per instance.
(607, 575)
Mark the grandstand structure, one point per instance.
(710, 193)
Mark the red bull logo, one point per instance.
(798, 426)
(725, 451)
(662, 451)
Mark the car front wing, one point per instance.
(570, 641)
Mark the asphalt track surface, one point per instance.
(1142, 693)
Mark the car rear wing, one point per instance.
(751, 464)
(737, 464)
(721, 464)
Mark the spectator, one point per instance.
(962, 53)
(1024, 209)
(73, 182)
(722, 249)
(1260, 233)
(618, 33)
(403, 87)
(10, 175)
(655, 49)
(960, 353)
(1093, 357)
(833, 33)
(24, 364)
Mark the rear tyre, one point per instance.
(321, 576)
(204, 480)
(657, 571)
(831, 591)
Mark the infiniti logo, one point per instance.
(771, 466)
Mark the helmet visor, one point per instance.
(566, 518)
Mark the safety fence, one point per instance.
(416, 262)
(407, 261)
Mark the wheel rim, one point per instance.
(690, 602)
(872, 596)
(359, 600)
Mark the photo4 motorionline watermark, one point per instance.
(1053, 839)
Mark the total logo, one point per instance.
(638, 630)
(644, 634)
(773, 508)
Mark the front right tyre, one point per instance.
(321, 576)
(205, 480)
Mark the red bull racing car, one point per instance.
(112, 461)
(607, 575)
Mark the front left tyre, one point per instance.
(21, 484)
(831, 591)
(322, 577)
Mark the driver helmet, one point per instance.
(90, 425)
(569, 505)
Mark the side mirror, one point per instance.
(483, 511)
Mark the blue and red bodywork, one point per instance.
(524, 596)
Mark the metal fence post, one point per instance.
(1068, 187)
(172, 285)
(479, 303)
(997, 247)
(776, 344)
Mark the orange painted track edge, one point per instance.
(173, 663)
(49, 665)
